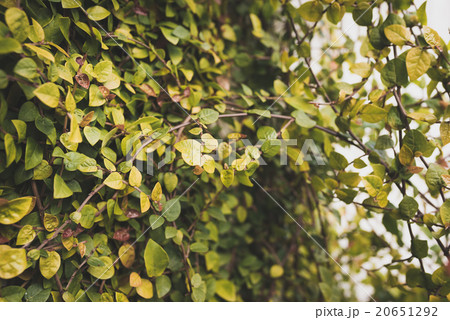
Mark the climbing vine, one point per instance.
(142, 145)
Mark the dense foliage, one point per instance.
(94, 97)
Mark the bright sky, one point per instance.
(438, 12)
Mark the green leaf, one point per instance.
(103, 70)
(199, 293)
(96, 98)
(92, 134)
(3, 79)
(97, 13)
(338, 161)
(172, 210)
(394, 73)
(155, 258)
(10, 149)
(33, 154)
(35, 293)
(65, 74)
(444, 212)
(60, 188)
(181, 32)
(226, 290)
(95, 262)
(103, 272)
(384, 142)
(48, 93)
(373, 184)
(115, 181)
(13, 293)
(362, 14)
(21, 128)
(433, 177)
(227, 177)
(373, 114)
(208, 116)
(419, 248)
(12, 262)
(418, 143)
(199, 247)
(9, 45)
(302, 119)
(27, 68)
(50, 264)
(87, 216)
(266, 133)
(45, 125)
(311, 11)
(14, 210)
(422, 13)
(17, 22)
(170, 181)
(156, 221)
(36, 32)
(335, 12)
(175, 54)
(163, 285)
(397, 34)
(408, 206)
(418, 62)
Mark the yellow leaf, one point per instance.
(82, 249)
(68, 243)
(157, 192)
(406, 156)
(114, 181)
(145, 290)
(227, 177)
(209, 165)
(397, 34)
(51, 222)
(445, 132)
(145, 202)
(418, 62)
(14, 210)
(276, 271)
(135, 280)
(12, 262)
(42, 54)
(127, 255)
(70, 103)
(135, 177)
(75, 134)
(26, 235)
(104, 272)
(50, 265)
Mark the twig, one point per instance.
(79, 267)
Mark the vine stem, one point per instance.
(61, 227)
